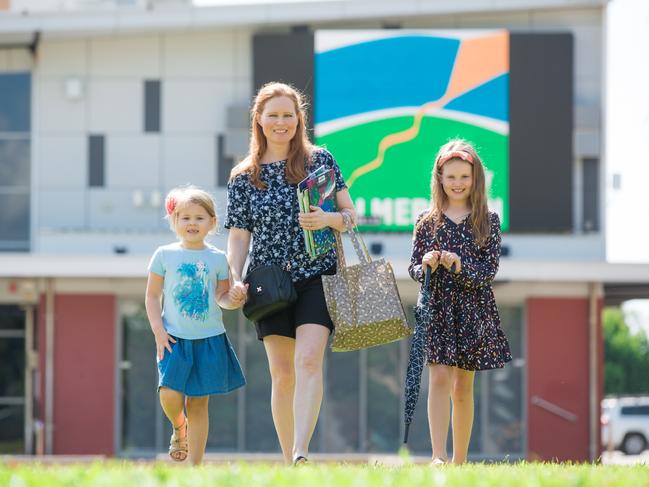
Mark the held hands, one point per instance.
(315, 219)
(162, 339)
(238, 293)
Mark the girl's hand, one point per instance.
(238, 293)
(315, 220)
(162, 339)
(447, 259)
(430, 259)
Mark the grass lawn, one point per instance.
(117, 474)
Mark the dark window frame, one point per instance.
(152, 106)
(96, 160)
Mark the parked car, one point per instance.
(625, 424)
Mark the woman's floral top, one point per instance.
(271, 215)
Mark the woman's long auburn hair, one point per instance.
(300, 148)
(477, 197)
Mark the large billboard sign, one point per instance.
(386, 100)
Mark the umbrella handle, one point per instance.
(427, 275)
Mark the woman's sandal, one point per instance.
(439, 461)
(300, 460)
(178, 446)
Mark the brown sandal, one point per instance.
(178, 446)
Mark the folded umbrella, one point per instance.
(416, 358)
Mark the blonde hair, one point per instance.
(182, 196)
(477, 197)
(300, 148)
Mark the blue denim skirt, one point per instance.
(201, 367)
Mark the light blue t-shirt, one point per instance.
(190, 310)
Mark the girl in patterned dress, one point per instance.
(263, 207)
(458, 238)
(195, 357)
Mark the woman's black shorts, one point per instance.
(310, 307)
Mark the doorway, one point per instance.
(16, 379)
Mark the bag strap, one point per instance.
(357, 241)
(340, 252)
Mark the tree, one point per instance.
(626, 356)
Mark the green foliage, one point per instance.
(111, 474)
(626, 356)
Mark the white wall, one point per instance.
(201, 74)
(627, 130)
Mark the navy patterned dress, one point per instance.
(271, 215)
(464, 329)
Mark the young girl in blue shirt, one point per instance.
(195, 357)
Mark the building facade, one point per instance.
(105, 106)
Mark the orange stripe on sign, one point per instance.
(478, 61)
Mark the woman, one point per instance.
(263, 205)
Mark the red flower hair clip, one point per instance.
(170, 204)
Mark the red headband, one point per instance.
(456, 154)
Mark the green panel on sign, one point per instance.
(391, 195)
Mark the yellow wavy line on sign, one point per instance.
(469, 71)
(390, 141)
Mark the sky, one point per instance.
(636, 315)
(626, 128)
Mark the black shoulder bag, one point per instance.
(270, 289)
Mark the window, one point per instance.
(15, 102)
(259, 434)
(152, 91)
(15, 161)
(12, 380)
(498, 427)
(635, 410)
(144, 427)
(339, 426)
(502, 393)
(362, 408)
(224, 163)
(590, 202)
(14, 221)
(385, 376)
(96, 158)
